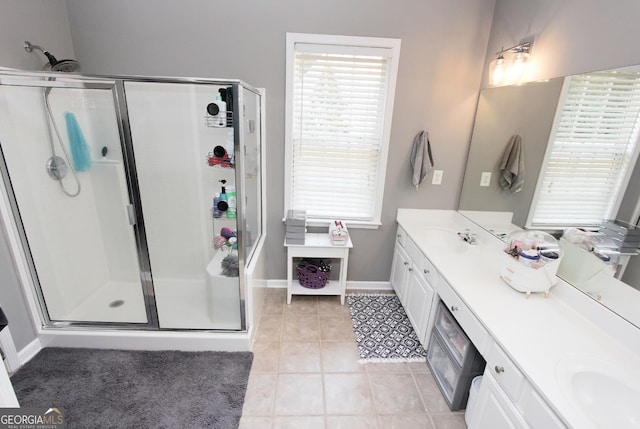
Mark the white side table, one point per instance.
(318, 246)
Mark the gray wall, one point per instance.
(443, 49)
(526, 110)
(441, 61)
(42, 22)
(571, 36)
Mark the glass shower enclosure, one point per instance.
(137, 201)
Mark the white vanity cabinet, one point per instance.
(419, 303)
(507, 400)
(493, 410)
(533, 347)
(412, 277)
(400, 267)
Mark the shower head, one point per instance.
(65, 66)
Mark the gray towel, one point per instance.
(512, 166)
(421, 158)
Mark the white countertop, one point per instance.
(538, 333)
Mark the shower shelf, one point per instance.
(221, 120)
(216, 161)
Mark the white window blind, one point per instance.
(595, 140)
(340, 115)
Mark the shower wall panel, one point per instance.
(73, 242)
(84, 255)
(163, 120)
(48, 217)
(171, 139)
(110, 187)
(109, 183)
(251, 129)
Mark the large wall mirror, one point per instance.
(530, 111)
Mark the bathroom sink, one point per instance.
(444, 239)
(602, 393)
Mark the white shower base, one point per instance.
(96, 307)
(182, 304)
(196, 304)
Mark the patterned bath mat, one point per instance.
(383, 330)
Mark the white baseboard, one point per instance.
(138, 341)
(152, 340)
(29, 351)
(365, 285)
(351, 285)
(277, 284)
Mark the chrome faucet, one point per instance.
(469, 236)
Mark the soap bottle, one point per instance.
(216, 210)
(222, 114)
(231, 200)
(223, 205)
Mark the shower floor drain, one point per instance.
(116, 303)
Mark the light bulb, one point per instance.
(497, 70)
(516, 72)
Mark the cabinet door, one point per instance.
(493, 409)
(399, 272)
(538, 414)
(418, 304)
(7, 395)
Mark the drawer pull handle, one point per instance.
(499, 369)
(426, 271)
(410, 269)
(406, 263)
(454, 308)
(399, 235)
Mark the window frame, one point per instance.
(624, 180)
(393, 47)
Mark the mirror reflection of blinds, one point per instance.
(339, 99)
(595, 141)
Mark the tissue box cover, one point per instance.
(338, 234)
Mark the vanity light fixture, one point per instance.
(511, 70)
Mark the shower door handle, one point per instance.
(131, 212)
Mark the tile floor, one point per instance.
(306, 374)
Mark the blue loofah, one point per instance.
(79, 148)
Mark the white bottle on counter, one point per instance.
(221, 117)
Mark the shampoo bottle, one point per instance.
(222, 114)
(231, 200)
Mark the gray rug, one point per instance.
(137, 389)
(382, 330)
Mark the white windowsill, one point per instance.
(323, 223)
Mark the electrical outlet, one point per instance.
(485, 179)
(437, 177)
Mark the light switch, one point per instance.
(485, 179)
(437, 177)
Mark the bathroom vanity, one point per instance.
(552, 362)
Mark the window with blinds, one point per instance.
(594, 142)
(339, 104)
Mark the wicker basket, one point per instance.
(313, 274)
